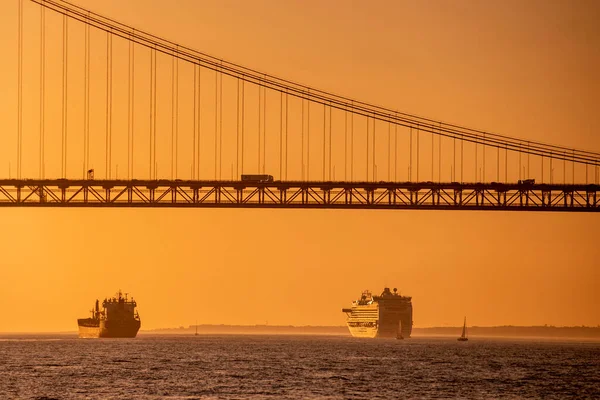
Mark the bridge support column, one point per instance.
(414, 197)
(546, 198)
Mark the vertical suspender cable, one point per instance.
(395, 153)
(110, 113)
(528, 158)
(324, 140)
(220, 123)
(367, 155)
(498, 166)
(259, 126)
(281, 136)
(243, 116)
(476, 163)
(237, 132)
(308, 139)
(389, 149)
(330, 142)
(85, 99)
(302, 141)
(42, 84)
(483, 148)
(151, 112)
(20, 89)
(107, 99)
(418, 135)
(432, 152)
(551, 180)
(172, 115)
(176, 114)
(129, 108)
(374, 153)
(440, 154)
(132, 105)
(195, 125)
(264, 129)
(573, 170)
(352, 145)
(564, 168)
(64, 98)
(454, 159)
(410, 155)
(462, 153)
(199, 119)
(87, 102)
(506, 164)
(345, 146)
(155, 166)
(108, 102)
(216, 118)
(286, 136)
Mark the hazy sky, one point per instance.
(524, 69)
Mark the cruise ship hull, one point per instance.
(93, 328)
(362, 330)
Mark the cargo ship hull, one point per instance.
(89, 328)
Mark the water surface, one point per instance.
(329, 367)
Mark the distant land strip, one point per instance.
(506, 331)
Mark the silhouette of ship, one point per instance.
(386, 316)
(117, 319)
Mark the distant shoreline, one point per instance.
(573, 332)
(491, 331)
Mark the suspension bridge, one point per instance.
(185, 127)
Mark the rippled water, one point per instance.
(335, 367)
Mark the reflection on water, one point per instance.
(252, 366)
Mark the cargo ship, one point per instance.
(117, 319)
(386, 316)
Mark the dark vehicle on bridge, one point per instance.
(257, 178)
(526, 181)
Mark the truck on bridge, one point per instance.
(526, 181)
(257, 178)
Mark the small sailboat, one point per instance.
(463, 337)
(196, 334)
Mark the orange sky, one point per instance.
(522, 69)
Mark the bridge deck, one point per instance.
(299, 194)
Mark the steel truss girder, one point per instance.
(341, 195)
